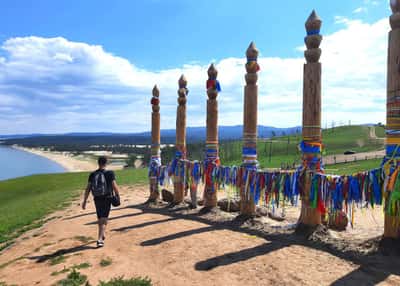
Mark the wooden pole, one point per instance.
(249, 150)
(310, 216)
(155, 161)
(392, 220)
(212, 157)
(179, 184)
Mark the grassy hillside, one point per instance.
(352, 167)
(284, 149)
(26, 200)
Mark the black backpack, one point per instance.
(99, 184)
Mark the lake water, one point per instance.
(16, 163)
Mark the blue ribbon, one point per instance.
(249, 151)
(355, 191)
(337, 196)
(390, 149)
(308, 148)
(376, 189)
(286, 189)
(313, 32)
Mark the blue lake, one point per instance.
(16, 163)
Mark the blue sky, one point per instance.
(62, 63)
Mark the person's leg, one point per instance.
(107, 209)
(102, 228)
(99, 211)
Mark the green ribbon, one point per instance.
(315, 199)
(394, 199)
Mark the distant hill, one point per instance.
(194, 134)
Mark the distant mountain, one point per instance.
(194, 134)
(16, 136)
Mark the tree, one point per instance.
(130, 161)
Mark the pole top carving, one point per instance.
(313, 38)
(156, 91)
(182, 91)
(313, 23)
(252, 66)
(395, 17)
(155, 101)
(395, 6)
(182, 81)
(212, 72)
(252, 52)
(212, 84)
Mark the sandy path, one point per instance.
(174, 249)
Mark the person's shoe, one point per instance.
(100, 243)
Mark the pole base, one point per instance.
(392, 227)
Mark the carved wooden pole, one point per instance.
(249, 151)
(179, 184)
(311, 145)
(212, 158)
(155, 161)
(392, 196)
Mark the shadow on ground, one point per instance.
(64, 251)
(375, 266)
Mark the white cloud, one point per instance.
(360, 10)
(373, 2)
(55, 85)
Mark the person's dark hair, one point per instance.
(102, 161)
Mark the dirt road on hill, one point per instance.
(180, 247)
(341, 158)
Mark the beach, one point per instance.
(68, 161)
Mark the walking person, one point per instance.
(102, 185)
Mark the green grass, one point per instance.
(120, 281)
(284, 149)
(57, 260)
(380, 132)
(11, 261)
(105, 262)
(83, 265)
(24, 202)
(5, 284)
(64, 270)
(73, 279)
(83, 239)
(44, 245)
(352, 167)
(34, 197)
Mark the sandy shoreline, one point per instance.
(69, 163)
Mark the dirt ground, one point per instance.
(184, 247)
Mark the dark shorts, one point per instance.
(103, 206)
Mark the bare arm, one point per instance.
(86, 195)
(115, 187)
